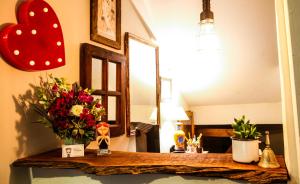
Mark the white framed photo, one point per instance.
(76, 150)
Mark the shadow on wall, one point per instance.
(32, 137)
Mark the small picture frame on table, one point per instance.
(106, 22)
(75, 150)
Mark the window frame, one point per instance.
(87, 53)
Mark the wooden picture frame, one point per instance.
(106, 22)
(87, 54)
(127, 38)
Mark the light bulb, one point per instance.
(207, 38)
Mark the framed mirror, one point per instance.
(143, 83)
(104, 71)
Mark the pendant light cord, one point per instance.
(206, 5)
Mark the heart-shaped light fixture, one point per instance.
(36, 42)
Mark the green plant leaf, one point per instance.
(75, 132)
(81, 131)
(242, 129)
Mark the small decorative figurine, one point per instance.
(193, 145)
(179, 137)
(103, 138)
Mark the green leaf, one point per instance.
(75, 132)
(81, 131)
(253, 130)
(244, 130)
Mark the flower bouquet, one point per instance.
(72, 112)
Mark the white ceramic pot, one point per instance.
(245, 151)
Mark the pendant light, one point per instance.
(208, 39)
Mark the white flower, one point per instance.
(76, 110)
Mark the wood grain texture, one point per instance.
(205, 165)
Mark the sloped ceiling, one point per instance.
(248, 69)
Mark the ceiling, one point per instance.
(247, 70)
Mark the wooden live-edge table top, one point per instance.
(206, 165)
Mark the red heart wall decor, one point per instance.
(36, 42)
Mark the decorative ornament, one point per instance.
(268, 157)
(103, 138)
(179, 138)
(36, 42)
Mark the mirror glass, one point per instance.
(96, 73)
(112, 101)
(112, 76)
(142, 72)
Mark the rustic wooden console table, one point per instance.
(206, 165)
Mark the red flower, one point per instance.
(98, 105)
(61, 124)
(89, 119)
(55, 88)
(60, 107)
(70, 94)
(84, 97)
(91, 123)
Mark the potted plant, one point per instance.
(245, 141)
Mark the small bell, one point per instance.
(268, 158)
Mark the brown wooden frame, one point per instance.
(158, 90)
(93, 26)
(87, 53)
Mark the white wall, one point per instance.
(260, 113)
(141, 113)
